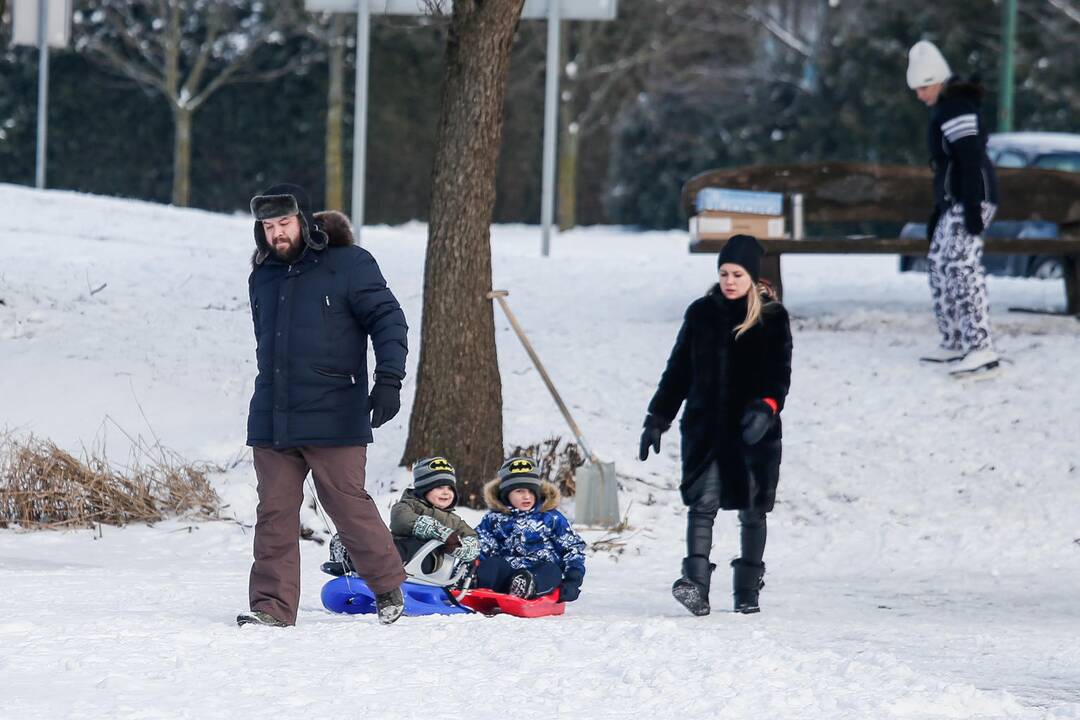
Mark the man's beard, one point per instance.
(289, 254)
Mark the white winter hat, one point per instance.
(926, 65)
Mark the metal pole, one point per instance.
(43, 90)
(798, 224)
(551, 110)
(1008, 51)
(363, 48)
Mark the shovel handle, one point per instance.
(500, 296)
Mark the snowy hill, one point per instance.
(923, 559)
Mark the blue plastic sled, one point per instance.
(350, 594)
(425, 593)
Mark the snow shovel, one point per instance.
(596, 501)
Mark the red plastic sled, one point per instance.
(490, 602)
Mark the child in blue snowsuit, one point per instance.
(527, 547)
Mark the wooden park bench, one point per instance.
(852, 192)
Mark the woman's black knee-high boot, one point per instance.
(747, 583)
(749, 569)
(692, 589)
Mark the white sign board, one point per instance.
(533, 10)
(25, 15)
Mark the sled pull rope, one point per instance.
(318, 505)
(500, 296)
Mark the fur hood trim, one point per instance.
(338, 228)
(549, 497)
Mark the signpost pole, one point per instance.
(43, 91)
(363, 50)
(551, 113)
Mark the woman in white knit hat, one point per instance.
(965, 199)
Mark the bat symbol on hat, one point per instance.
(441, 464)
(521, 466)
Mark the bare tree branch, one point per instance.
(213, 31)
(1066, 7)
(778, 31)
(128, 67)
(128, 37)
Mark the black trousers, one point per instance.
(702, 516)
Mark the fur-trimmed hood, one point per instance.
(549, 497)
(338, 228)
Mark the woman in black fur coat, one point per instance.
(732, 365)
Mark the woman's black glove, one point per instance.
(655, 426)
(756, 421)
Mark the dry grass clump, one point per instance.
(43, 486)
(557, 464)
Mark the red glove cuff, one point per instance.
(773, 404)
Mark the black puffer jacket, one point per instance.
(957, 137)
(718, 376)
(312, 323)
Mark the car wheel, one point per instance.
(1048, 269)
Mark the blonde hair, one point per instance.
(754, 305)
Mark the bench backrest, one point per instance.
(856, 192)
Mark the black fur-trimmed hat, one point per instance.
(518, 472)
(283, 200)
(431, 473)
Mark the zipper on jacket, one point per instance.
(335, 374)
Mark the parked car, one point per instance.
(1050, 151)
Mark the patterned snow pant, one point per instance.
(958, 282)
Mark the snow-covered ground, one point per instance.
(924, 558)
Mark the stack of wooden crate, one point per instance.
(722, 213)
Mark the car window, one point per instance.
(1008, 159)
(1068, 161)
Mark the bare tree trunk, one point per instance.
(335, 116)
(568, 139)
(181, 190)
(458, 407)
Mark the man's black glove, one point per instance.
(655, 426)
(973, 221)
(756, 421)
(931, 223)
(385, 399)
(571, 585)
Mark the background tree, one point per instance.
(458, 406)
(762, 81)
(186, 50)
